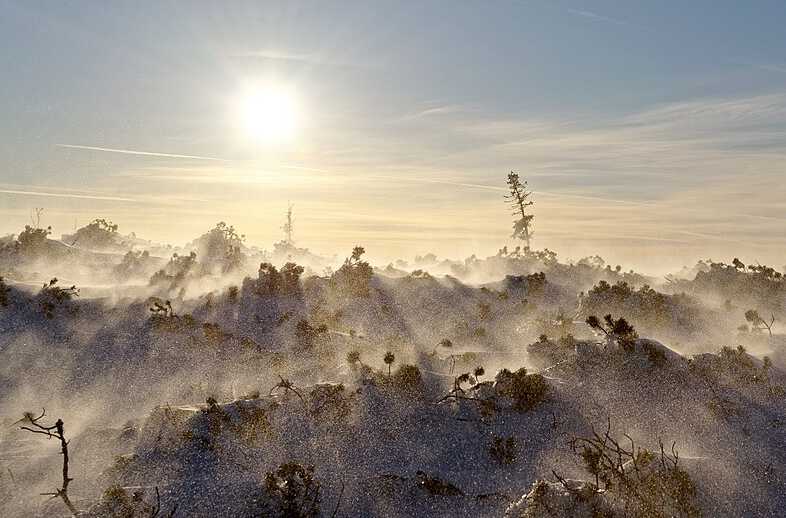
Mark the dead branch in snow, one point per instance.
(54, 431)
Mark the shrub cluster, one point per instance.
(526, 390)
(650, 309)
(53, 296)
(354, 276)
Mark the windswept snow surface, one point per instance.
(200, 387)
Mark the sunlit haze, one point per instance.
(268, 113)
(647, 134)
(393, 258)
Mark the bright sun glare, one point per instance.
(269, 114)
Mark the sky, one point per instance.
(652, 133)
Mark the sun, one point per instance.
(269, 114)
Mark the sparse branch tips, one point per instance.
(519, 201)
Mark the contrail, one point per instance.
(504, 189)
(386, 177)
(433, 180)
(65, 195)
(598, 198)
(140, 153)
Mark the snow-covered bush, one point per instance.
(329, 403)
(176, 272)
(220, 249)
(547, 352)
(435, 486)
(31, 242)
(735, 367)
(4, 290)
(306, 333)
(627, 481)
(134, 264)
(53, 296)
(291, 491)
(504, 450)
(408, 380)
(117, 502)
(99, 234)
(651, 310)
(754, 285)
(272, 282)
(618, 330)
(525, 391)
(354, 276)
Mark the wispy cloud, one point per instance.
(708, 113)
(139, 153)
(242, 176)
(310, 58)
(684, 142)
(444, 109)
(598, 17)
(304, 168)
(706, 168)
(277, 55)
(772, 67)
(700, 176)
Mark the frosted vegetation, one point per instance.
(217, 379)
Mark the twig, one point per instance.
(338, 504)
(157, 508)
(287, 386)
(56, 431)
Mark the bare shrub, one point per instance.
(55, 431)
(634, 481)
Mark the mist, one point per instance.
(219, 376)
(514, 259)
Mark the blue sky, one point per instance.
(652, 132)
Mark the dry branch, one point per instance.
(54, 431)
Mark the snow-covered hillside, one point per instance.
(517, 385)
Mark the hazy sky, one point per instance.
(652, 132)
